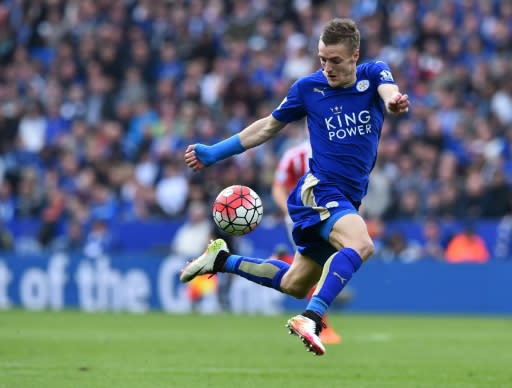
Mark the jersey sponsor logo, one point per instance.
(331, 204)
(336, 109)
(362, 85)
(317, 90)
(340, 126)
(385, 75)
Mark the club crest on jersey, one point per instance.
(362, 85)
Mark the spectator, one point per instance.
(397, 248)
(52, 216)
(298, 62)
(432, 246)
(99, 241)
(72, 240)
(172, 189)
(497, 196)
(6, 238)
(7, 203)
(32, 128)
(472, 198)
(503, 248)
(192, 236)
(77, 77)
(467, 246)
(379, 197)
(30, 196)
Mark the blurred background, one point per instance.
(98, 100)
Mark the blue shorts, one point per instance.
(314, 208)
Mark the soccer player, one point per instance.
(291, 167)
(344, 105)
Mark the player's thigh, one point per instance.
(303, 274)
(351, 231)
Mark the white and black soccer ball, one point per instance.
(237, 210)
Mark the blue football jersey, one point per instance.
(344, 125)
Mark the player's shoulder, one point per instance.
(310, 84)
(372, 66)
(375, 69)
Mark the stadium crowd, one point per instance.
(98, 100)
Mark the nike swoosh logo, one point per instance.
(193, 275)
(342, 279)
(198, 271)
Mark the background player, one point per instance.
(291, 167)
(344, 104)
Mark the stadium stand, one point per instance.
(98, 100)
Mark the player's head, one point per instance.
(338, 50)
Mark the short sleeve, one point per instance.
(292, 106)
(381, 73)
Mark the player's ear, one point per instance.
(356, 55)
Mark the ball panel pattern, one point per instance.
(237, 210)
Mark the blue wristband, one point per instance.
(209, 155)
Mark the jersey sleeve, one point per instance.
(292, 107)
(381, 73)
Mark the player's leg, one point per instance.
(295, 279)
(301, 277)
(298, 281)
(328, 335)
(349, 244)
(350, 237)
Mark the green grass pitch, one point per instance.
(75, 349)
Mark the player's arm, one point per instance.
(197, 156)
(394, 101)
(260, 131)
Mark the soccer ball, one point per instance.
(237, 210)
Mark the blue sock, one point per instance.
(337, 272)
(265, 272)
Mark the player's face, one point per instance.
(338, 64)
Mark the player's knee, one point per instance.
(298, 293)
(294, 290)
(366, 249)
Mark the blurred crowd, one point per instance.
(99, 98)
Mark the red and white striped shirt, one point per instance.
(293, 164)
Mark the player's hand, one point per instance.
(191, 158)
(399, 104)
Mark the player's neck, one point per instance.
(345, 85)
(349, 83)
